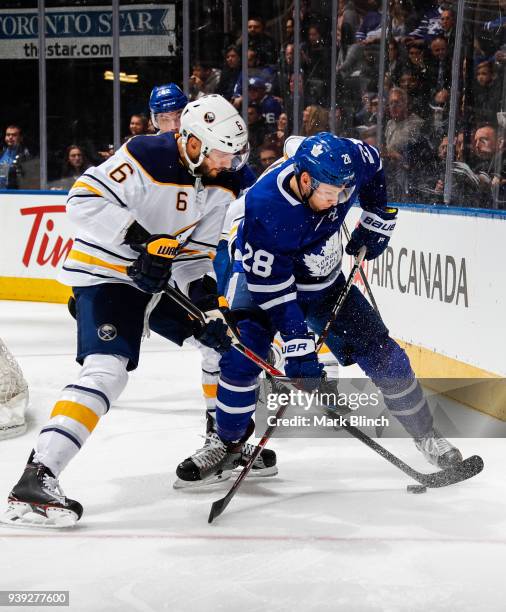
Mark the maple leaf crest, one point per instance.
(327, 260)
(316, 150)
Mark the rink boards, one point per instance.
(439, 285)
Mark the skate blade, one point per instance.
(193, 484)
(19, 514)
(259, 472)
(12, 431)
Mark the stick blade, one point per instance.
(217, 508)
(467, 469)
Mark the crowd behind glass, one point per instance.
(417, 83)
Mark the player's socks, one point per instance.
(437, 450)
(37, 500)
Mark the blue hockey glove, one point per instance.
(204, 294)
(373, 232)
(301, 361)
(151, 270)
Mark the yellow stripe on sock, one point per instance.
(210, 391)
(80, 413)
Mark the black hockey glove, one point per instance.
(151, 270)
(214, 334)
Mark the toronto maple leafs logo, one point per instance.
(316, 150)
(327, 260)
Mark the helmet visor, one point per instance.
(341, 193)
(230, 162)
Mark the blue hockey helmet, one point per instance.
(327, 159)
(166, 99)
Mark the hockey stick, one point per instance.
(362, 274)
(340, 300)
(467, 469)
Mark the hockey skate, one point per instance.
(216, 461)
(38, 501)
(437, 450)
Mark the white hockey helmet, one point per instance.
(218, 125)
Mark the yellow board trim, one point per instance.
(33, 290)
(94, 261)
(210, 391)
(84, 185)
(79, 412)
(488, 397)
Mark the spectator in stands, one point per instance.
(475, 181)
(230, 73)
(267, 73)
(315, 118)
(403, 140)
(270, 108)
(401, 12)
(448, 26)
(285, 69)
(394, 63)
(256, 127)
(12, 155)
(138, 125)
(204, 79)
(429, 26)
(277, 139)
(368, 35)
(288, 32)
(268, 154)
(74, 164)
(487, 95)
(317, 65)
(439, 64)
(259, 41)
(304, 99)
(418, 95)
(366, 115)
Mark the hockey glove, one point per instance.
(214, 334)
(373, 231)
(301, 361)
(151, 270)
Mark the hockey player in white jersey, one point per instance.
(150, 213)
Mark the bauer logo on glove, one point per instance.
(373, 231)
(163, 247)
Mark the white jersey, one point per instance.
(144, 181)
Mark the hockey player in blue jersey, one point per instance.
(286, 278)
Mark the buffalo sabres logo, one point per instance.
(316, 150)
(107, 332)
(209, 117)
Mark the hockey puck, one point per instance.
(416, 488)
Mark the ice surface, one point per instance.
(335, 530)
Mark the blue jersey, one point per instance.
(284, 247)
